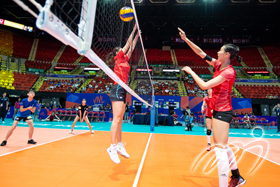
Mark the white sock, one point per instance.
(223, 166)
(120, 144)
(231, 158)
(209, 139)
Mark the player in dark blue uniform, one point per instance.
(27, 106)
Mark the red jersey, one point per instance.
(208, 104)
(122, 67)
(175, 116)
(221, 94)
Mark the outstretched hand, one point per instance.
(182, 33)
(187, 69)
(138, 33)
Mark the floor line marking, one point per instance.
(256, 154)
(40, 144)
(142, 163)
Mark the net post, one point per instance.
(88, 25)
(153, 115)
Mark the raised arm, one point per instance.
(133, 46)
(202, 84)
(129, 41)
(195, 48)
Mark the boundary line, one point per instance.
(41, 144)
(255, 154)
(142, 163)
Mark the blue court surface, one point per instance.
(129, 127)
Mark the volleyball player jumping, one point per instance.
(208, 116)
(82, 115)
(221, 83)
(121, 57)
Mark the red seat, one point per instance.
(102, 115)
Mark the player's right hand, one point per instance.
(182, 33)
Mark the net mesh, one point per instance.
(109, 32)
(71, 13)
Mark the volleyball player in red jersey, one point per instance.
(221, 83)
(208, 116)
(118, 96)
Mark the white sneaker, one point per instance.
(92, 131)
(70, 132)
(3, 121)
(113, 154)
(122, 151)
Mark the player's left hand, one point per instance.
(187, 69)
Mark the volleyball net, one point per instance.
(94, 29)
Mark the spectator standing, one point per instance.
(276, 108)
(126, 113)
(58, 105)
(16, 107)
(51, 105)
(37, 110)
(3, 106)
(246, 120)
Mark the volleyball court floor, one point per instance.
(169, 156)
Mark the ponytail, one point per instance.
(111, 55)
(233, 50)
(238, 58)
(109, 58)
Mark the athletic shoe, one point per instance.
(70, 132)
(31, 141)
(3, 121)
(209, 147)
(121, 150)
(4, 143)
(234, 182)
(112, 151)
(92, 131)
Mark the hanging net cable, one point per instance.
(94, 29)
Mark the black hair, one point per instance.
(233, 50)
(112, 54)
(116, 50)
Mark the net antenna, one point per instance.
(153, 114)
(77, 34)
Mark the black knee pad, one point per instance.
(209, 132)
